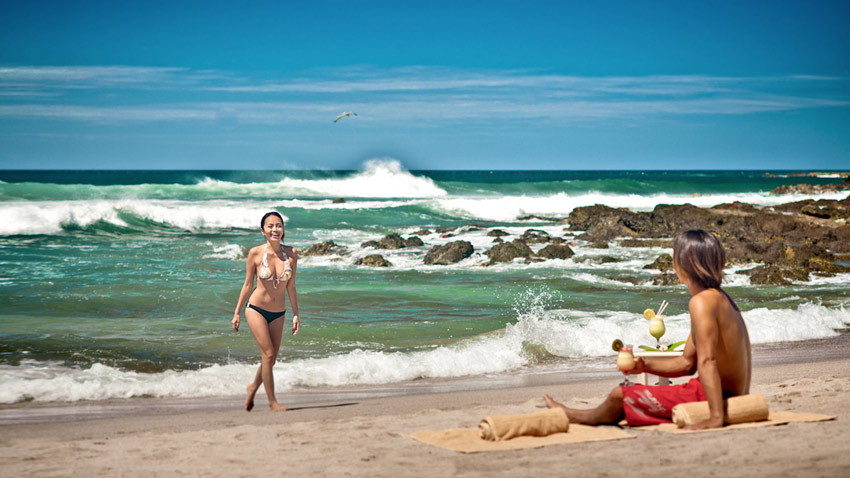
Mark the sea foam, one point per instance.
(538, 334)
(40, 217)
(380, 178)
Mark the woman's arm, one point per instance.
(293, 294)
(247, 286)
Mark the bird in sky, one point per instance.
(347, 113)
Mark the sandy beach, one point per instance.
(361, 433)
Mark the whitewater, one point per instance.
(121, 284)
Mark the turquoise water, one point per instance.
(122, 283)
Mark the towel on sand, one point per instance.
(468, 440)
(742, 409)
(774, 418)
(538, 424)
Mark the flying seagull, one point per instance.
(347, 113)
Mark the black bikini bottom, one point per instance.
(269, 316)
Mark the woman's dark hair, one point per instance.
(266, 215)
(700, 256)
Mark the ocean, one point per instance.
(118, 284)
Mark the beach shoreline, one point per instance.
(765, 357)
(352, 435)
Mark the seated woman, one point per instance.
(718, 347)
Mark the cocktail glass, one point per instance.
(657, 329)
(625, 363)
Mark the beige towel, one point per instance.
(742, 409)
(505, 427)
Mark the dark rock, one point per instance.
(603, 223)
(325, 248)
(413, 241)
(497, 233)
(596, 259)
(339, 201)
(391, 241)
(374, 260)
(553, 251)
(449, 253)
(837, 240)
(774, 275)
(532, 217)
(664, 263)
(498, 240)
(443, 230)
(737, 206)
(422, 232)
(369, 244)
(665, 279)
(508, 251)
(812, 188)
(535, 236)
(667, 243)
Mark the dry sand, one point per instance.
(347, 435)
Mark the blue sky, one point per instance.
(436, 85)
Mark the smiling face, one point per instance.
(273, 228)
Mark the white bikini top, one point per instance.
(265, 273)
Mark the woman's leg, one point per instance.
(268, 337)
(610, 411)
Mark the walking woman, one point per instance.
(274, 265)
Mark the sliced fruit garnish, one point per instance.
(617, 345)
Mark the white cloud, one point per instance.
(418, 95)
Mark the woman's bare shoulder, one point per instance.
(706, 299)
(255, 251)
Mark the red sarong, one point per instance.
(653, 404)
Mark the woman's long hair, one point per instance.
(700, 256)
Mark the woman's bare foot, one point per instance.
(276, 407)
(249, 402)
(550, 402)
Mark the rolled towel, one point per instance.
(505, 427)
(741, 409)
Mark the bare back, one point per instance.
(732, 353)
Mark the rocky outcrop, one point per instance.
(325, 248)
(393, 241)
(646, 243)
(449, 253)
(535, 236)
(508, 251)
(497, 233)
(773, 275)
(413, 241)
(665, 279)
(374, 260)
(596, 259)
(664, 263)
(795, 239)
(844, 185)
(556, 251)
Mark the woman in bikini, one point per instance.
(274, 265)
